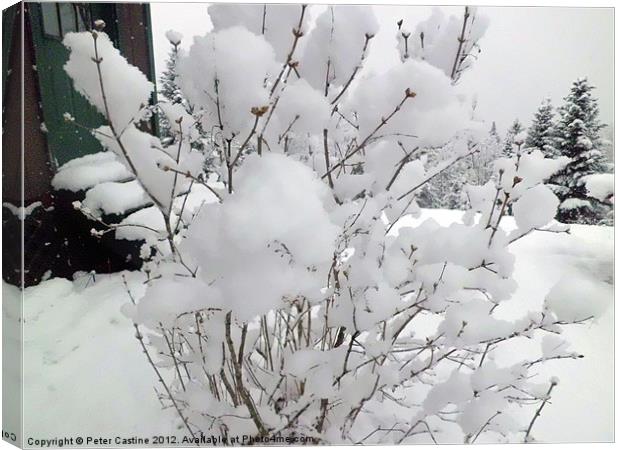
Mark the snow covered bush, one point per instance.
(299, 304)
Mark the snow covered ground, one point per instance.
(85, 373)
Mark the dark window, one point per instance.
(68, 17)
(83, 17)
(51, 24)
(62, 18)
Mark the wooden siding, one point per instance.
(11, 111)
(37, 173)
(135, 43)
(133, 37)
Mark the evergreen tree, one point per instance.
(480, 164)
(541, 134)
(493, 133)
(578, 138)
(169, 88)
(509, 141)
(446, 190)
(172, 93)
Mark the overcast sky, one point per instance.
(528, 53)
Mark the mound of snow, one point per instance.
(87, 171)
(577, 297)
(600, 186)
(115, 198)
(536, 207)
(575, 203)
(271, 238)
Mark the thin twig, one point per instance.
(384, 120)
(538, 411)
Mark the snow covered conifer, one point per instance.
(169, 87)
(541, 134)
(509, 142)
(446, 189)
(578, 132)
(481, 164)
(493, 132)
(172, 95)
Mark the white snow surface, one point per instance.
(274, 21)
(146, 159)
(434, 115)
(337, 38)
(575, 297)
(265, 237)
(21, 212)
(600, 186)
(535, 208)
(149, 222)
(115, 198)
(219, 66)
(574, 203)
(439, 36)
(82, 357)
(87, 171)
(174, 37)
(125, 86)
(83, 369)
